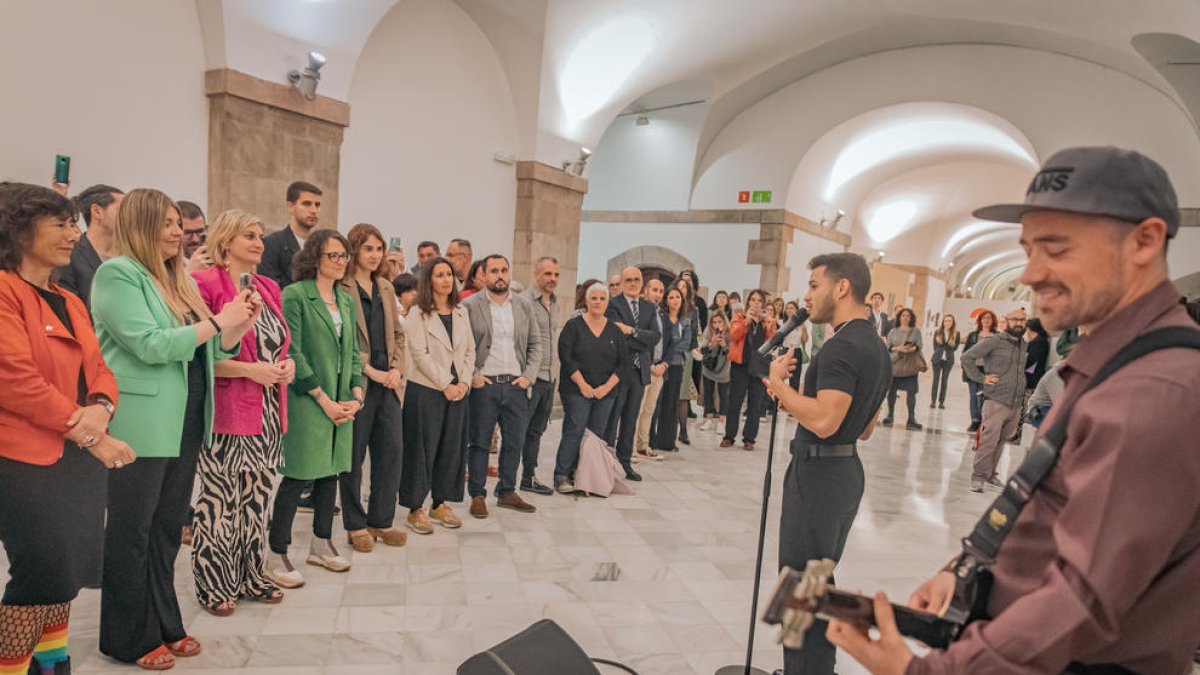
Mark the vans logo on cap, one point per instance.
(1052, 178)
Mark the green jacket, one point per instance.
(148, 351)
(313, 447)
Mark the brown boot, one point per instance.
(479, 507)
(390, 535)
(511, 500)
(363, 542)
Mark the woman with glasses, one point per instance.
(323, 399)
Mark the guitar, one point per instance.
(800, 597)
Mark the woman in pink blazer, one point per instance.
(249, 420)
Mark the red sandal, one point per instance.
(159, 659)
(188, 646)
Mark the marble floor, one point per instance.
(660, 580)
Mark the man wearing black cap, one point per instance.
(1101, 570)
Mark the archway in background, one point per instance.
(653, 259)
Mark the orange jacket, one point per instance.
(39, 371)
(737, 337)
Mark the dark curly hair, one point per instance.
(308, 259)
(425, 299)
(21, 204)
(912, 317)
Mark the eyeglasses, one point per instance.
(336, 257)
(199, 235)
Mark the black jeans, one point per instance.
(941, 380)
(666, 423)
(718, 391)
(540, 407)
(579, 414)
(742, 386)
(508, 405)
(324, 494)
(378, 429)
(147, 508)
(820, 501)
(622, 423)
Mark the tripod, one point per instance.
(747, 668)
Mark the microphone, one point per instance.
(792, 324)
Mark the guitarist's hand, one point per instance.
(934, 595)
(889, 655)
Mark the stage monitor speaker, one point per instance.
(542, 649)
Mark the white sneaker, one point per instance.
(322, 554)
(705, 425)
(281, 572)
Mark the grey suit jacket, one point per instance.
(527, 336)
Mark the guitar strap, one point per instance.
(980, 547)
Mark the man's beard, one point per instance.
(1015, 331)
(498, 287)
(822, 310)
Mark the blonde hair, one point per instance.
(225, 229)
(140, 222)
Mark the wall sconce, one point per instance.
(306, 81)
(832, 224)
(575, 167)
(641, 120)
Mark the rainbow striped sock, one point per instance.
(17, 666)
(52, 648)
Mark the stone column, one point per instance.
(262, 136)
(549, 203)
(770, 250)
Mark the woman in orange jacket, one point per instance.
(56, 452)
(749, 331)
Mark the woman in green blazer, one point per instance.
(160, 339)
(322, 401)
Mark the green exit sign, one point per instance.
(760, 197)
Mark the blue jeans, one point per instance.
(507, 404)
(975, 391)
(579, 414)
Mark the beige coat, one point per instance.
(431, 350)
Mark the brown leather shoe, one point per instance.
(479, 507)
(363, 542)
(512, 500)
(747, 446)
(390, 536)
(725, 442)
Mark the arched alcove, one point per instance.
(649, 256)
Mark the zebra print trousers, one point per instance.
(230, 536)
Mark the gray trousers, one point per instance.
(820, 501)
(1000, 422)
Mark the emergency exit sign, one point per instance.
(754, 197)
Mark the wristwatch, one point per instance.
(106, 404)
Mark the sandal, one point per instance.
(159, 659)
(225, 608)
(188, 646)
(273, 597)
(650, 454)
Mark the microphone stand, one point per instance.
(747, 668)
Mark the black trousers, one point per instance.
(148, 504)
(715, 390)
(743, 386)
(378, 429)
(287, 498)
(941, 379)
(622, 423)
(435, 452)
(666, 415)
(540, 407)
(507, 405)
(820, 501)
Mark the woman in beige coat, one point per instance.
(442, 350)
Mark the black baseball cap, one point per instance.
(1097, 181)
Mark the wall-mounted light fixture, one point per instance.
(832, 224)
(575, 167)
(306, 81)
(641, 120)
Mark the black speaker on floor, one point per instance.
(542, 649)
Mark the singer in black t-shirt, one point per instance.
(845, 384)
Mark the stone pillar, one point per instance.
(549, 203)
(264, 135)
(770, 250)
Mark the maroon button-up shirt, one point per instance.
(1103, 565)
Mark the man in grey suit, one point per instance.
(508, 355)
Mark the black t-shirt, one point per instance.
(855, 361)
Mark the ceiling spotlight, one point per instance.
(576, 167)
(951, 263)
(306, 81)
(641, 120)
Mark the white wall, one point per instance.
(429, 108)
(805, 247)
(121, 92)
(648, 167)
(718, 251)
(1183, 256)
(1063, 102)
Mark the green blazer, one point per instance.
(313, 447)
(148, 350)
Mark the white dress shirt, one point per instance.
(502, 355)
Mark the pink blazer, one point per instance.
(237, 408)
